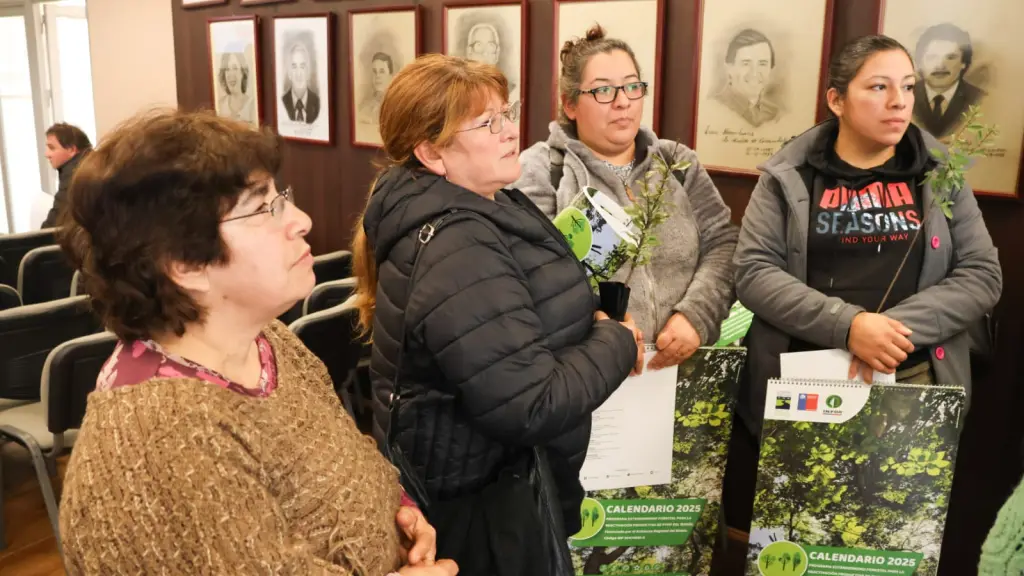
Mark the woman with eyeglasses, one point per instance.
(214, 442)
(680, 299)
(483, 324)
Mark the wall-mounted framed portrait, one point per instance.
(493, 33)
(303, 77)
(381, 41)
(967, 54)
(198, 3)
(638, 23)
(762, 70)
(234, 48)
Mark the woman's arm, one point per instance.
(477, 320)
(535, 179)
(710, 294)
(972, 289)
(764, 285)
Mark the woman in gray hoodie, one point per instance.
(844, 246)
(680, 299)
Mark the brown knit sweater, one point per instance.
(178, 476)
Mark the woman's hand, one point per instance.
(627, 321)
(677, 341)
(878, 343)
(419, 539)
(442, 568)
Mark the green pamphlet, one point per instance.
(853, 479)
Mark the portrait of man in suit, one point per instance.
(301, 101)
(749, 63)
(942, 95)
(382, 69)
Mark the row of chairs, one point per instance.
(52, 353)
(33, 269)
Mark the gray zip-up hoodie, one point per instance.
(692, 270)
(960, 279)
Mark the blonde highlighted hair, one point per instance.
(426, 101)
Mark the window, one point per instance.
(21, 143)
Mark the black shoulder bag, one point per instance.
(537, 474)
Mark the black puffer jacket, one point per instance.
(502, 350)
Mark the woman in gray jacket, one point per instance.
(681, 298)
(844, 246)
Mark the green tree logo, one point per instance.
(591, 519)
(833, 401)
(782, 559)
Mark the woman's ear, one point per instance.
(430, 157)
(569, 107)
(190, 277)
(835, 102)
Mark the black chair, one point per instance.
(328, 295)
(13, 248)
(331, 335)
(47, 427)
(45, 274)
(9, 297)
(29, 333)
(332, 266)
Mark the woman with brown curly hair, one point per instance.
(214, 442)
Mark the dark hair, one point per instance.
(69, 135)
(847, 63)
(952, 33)
(154, 192)
(384, 58)
(747, 37)
(574, 56)
(242, 66)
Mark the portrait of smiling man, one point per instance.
(749, 63)
(944, 54)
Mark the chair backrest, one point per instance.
(13, 248)
(328, 295)
(331, 335)
(9, 297)
(69, 376)
(76, 284)
(29, 333)
(332, 266)
(45, 274)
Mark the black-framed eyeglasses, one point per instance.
(608, 94)
(275, 208)
(496, 123)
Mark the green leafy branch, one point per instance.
(971, 140)
(650, 209)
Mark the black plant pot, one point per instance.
(614, 299)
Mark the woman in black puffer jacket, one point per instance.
(504, 348)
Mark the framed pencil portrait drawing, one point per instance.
(762, 69)
(303, 60)
(382, 41)
(967, 54)
(492, 33)
(636, 22)
(234, 52)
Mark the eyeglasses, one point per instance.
(608, 94)
(496, 123)
(275, 208)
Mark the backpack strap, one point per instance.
(557, 166)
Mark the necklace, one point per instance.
(622, 172)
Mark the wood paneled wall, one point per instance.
(331, 184)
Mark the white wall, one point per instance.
(132, 46)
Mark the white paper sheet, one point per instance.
(631, 440)
(824, 365)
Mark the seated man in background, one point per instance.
(66, 145)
